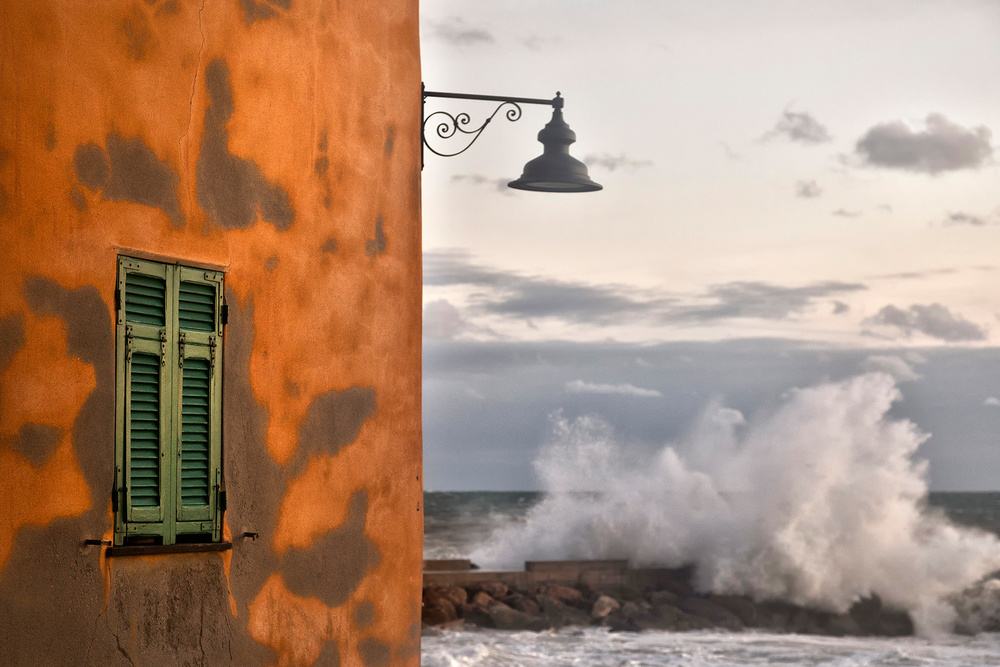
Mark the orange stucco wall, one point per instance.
(278, 139)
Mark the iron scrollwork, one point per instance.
(450, 126)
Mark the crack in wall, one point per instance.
(182, 142)
(118, 642)
(93, 637)
(201, 630)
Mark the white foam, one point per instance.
(599, 648)
(820, 503)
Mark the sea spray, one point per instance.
(819, 503)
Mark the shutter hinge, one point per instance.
(114, 491)
(224, 314)
(181, 340)
(118, 299)
(222, 500)
(163, 347)
(128, 343)
(211, 347)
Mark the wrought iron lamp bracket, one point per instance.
(451, 126)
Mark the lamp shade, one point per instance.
(555, 170)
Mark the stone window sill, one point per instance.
(154, 549)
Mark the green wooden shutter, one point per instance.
(169, 419)
(144, 382)
(199, 454)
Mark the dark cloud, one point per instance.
(498, 184)
(932, 320)
(941, 146)
(839, 308)
(613, 162)
(844, 213)
(968, 219)
(470, 443)
(799, 126)
(532, 297)
(759, 300)
(807, 190)
(456, 32)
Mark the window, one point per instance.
(168, 444)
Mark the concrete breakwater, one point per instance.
(553, 594)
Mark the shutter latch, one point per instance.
(128, 343)
(163, 347)
(180, 349)
(211, 348)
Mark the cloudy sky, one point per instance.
(794, 192)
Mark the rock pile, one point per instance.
(672, 605)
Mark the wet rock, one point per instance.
(505, 618)
(715, 614)
(560, 592)
(482, 599)
(603, 606)
(559, 614)
(978, 607)
(743, 607)
(657, 598)
(456, 594)
(495, 589)
(874, 619)
(522, 603)
(438, 612)
(841, 625)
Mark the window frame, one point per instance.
(198, 348)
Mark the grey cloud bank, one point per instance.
(472, 443)
(516, 295)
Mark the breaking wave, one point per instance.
(819, 503)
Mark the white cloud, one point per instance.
(891, 364)
(992, 401)
(625, 389)
(443, 321)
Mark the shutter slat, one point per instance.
(196, 479)
(144, 430)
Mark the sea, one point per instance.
(457, 524)
(820, 502)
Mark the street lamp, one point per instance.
(555, 170)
